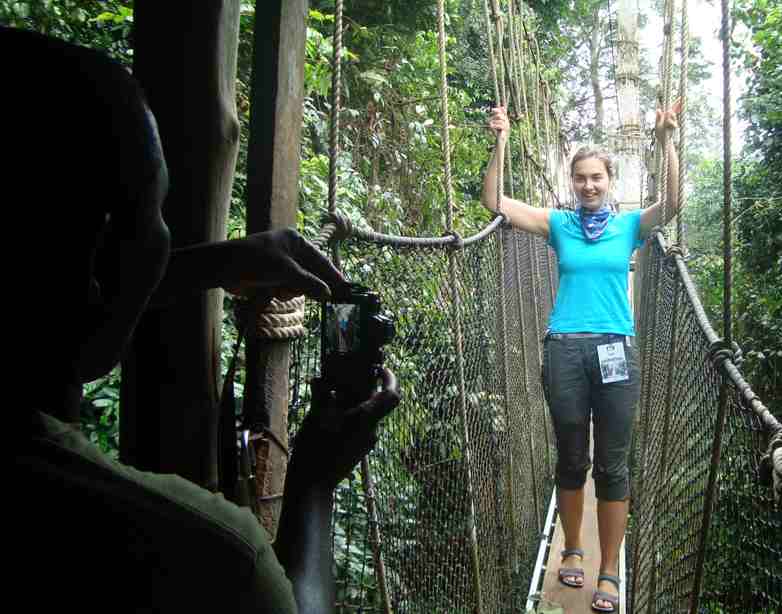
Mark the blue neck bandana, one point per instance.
(593, 223)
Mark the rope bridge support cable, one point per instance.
(650, 339)
(716, 450)
(453, 256)
(503, 235)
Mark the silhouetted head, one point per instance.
(84, 189)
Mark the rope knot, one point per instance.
(458, 241)
(674, 250)
(771, 465)
(344, 227)
(719, 352)
(738, 355)
(505, 218)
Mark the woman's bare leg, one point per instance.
(611, 524)
(571, 511)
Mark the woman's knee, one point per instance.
(572, 467)
(613, 484)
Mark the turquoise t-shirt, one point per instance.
(592, 295)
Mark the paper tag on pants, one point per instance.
(613, 364)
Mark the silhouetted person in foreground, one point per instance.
(87, 249)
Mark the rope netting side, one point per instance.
(698, 515)
(419, 468)
(669, 520)
(441, 519)
(454, 263)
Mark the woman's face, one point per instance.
(591, 182)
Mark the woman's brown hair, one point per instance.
(591, 152)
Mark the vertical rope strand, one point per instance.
(502, 100)
(727, 179)
(666, 102)
(453, 255)
(683, 79)
(502, 232)
(445, 130)
(336, 103)
(727, 322)
(375, 537)
(492, 56)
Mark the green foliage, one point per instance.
(740, 539)
(100, 24)
(758, 222)
(392, 179)
(762, 57)
(100, 412)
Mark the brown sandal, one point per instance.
(572, 572)
(603, 596)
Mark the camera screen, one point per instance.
(343, 324)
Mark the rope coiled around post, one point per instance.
(277, 320)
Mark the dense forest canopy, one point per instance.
(391, 165)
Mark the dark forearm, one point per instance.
(303, 545)
(194, 269)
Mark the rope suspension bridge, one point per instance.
(453, 510)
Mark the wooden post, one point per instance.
(272, 194)
(185, 59)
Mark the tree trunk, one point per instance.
(594, 75)
(272, 202)
(185, 59)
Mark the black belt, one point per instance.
(588, 336)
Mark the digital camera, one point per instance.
(353, 333)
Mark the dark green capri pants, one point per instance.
(574, 390)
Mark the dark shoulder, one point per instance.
(148, 541)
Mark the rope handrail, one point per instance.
(330, 231)
(729, 367)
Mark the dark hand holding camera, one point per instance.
(347, 405)
(353, 333)
(325, 450)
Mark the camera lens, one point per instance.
(382, 329)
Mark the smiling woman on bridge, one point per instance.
(590, 363)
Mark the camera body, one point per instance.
(353, 333)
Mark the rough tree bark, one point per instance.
(185, 59)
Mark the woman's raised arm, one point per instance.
(519, 214)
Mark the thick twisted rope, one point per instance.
(666, 101)
(336, 103)
(445, 129)
(274, 320)
(683, 79)
(727, 179)
(281, 320)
